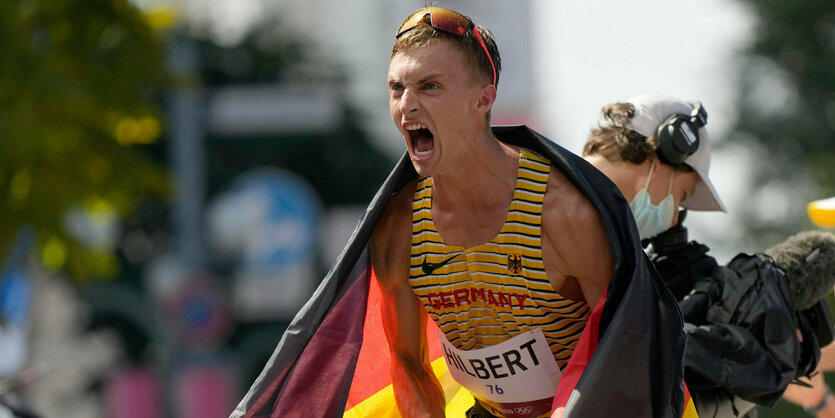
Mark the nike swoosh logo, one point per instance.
(429, 268)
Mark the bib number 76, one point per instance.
(496, 389)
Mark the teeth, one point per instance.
(414, 126)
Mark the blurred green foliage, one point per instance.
(77, 101)
(787, 113)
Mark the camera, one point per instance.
(681, 263)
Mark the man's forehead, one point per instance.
(430, 48)
(437, 54)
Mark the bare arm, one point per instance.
(827, 361)
(575, 246)
(811, 397)
(416, 388)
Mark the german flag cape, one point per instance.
(631, 363)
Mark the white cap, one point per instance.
(651, 110)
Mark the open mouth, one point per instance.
(423, 142)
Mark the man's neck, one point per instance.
(486, 177)
(470, 203)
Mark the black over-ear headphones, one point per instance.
(678, 136)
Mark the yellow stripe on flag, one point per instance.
(690, 410)
(382, 404)
(459, 399)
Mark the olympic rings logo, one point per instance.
(523, 410)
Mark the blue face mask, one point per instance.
(652, 219)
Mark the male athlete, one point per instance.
(512, 246)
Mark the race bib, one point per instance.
(517, 378)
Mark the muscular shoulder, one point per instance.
(391, 239)
(573, 230)
(566, 209)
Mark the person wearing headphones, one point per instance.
(657, 152)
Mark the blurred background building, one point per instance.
(176, 177)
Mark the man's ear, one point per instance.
(486, 98)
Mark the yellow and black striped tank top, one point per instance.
(487, 294)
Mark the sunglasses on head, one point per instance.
(447, 21)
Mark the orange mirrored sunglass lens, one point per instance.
(441, 19)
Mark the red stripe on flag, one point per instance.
(373, 372)
(581, 357)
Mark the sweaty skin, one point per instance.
(440, 106)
